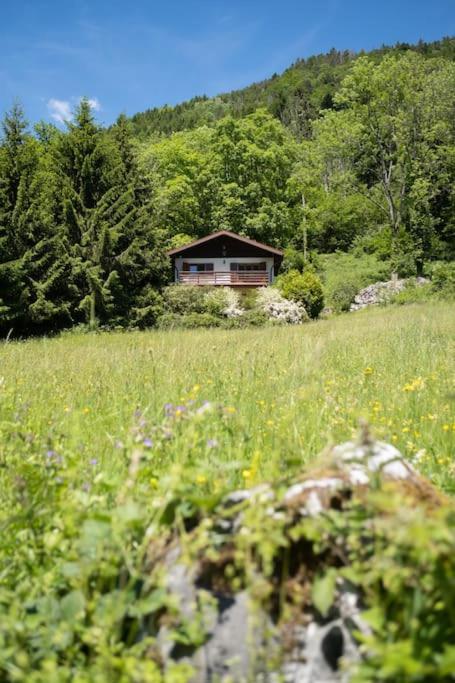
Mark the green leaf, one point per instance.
(72, 606)
(323, 592)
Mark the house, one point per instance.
(227, 259)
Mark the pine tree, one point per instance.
(18, 160)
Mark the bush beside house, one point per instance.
(190, 306)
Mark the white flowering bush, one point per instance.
(277, 308)
(232, 308)
(223, 301)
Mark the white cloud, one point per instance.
(94, 103)
(60, 110)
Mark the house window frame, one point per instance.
(253, 266)
(205, 267)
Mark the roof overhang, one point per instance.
(225, 233)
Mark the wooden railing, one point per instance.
(253, 278)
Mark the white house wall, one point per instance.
(222, 265)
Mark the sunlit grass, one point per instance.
(277, 396)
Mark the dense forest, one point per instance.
(342, 152)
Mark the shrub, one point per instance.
(343, 296)
(184, 299)
(232, 307)
(248, 298)
(443, 279)
(149, 308)
(279, 309)
(215, 301)
(304, 288)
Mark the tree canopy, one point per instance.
(340, 153)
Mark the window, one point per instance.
(249, 266)
(197, 267)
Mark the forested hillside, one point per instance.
(354, 153)
(295, 97)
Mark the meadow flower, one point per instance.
(168, 409)
(204, 408)
(368, 371)
(201, 479)
(212, 443)
(93, 461)
(148, 443)
(416, 385)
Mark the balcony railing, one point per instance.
(253, 278)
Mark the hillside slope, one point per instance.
(295, 97)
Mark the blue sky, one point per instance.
(129, 56)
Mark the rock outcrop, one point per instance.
(382, 292)
(250, 585)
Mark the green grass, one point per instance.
(278, 396)
(95, 472)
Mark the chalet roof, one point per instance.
(225, 233)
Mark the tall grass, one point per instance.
(276, 397)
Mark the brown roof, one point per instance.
(225, 233)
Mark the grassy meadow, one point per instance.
(229, 408)
(109, 442)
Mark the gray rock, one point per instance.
(381, 292)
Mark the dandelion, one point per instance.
(246, 474)
(445, 427)
(416, 385)
(368, 371)
(86, 410)
(230, 410)
(201, 479)
(153, 482)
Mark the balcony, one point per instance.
(253, 278)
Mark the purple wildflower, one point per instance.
(148, 443)
(212, 443)
(50, 454)
(93, 461)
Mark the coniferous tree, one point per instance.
(18, 161)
